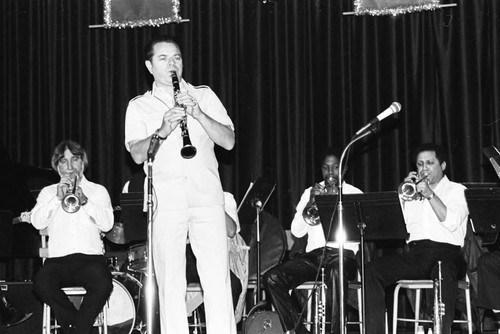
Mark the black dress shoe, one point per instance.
(11, 316)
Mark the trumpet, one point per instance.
(320, 306)
(439, 307)
(188, 150)
(407, 190)
(70, 202)
(310, 214)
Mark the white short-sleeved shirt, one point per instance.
(179, 183)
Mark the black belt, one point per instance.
(429, 243)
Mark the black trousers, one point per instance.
(88, 271)
(419, 263)
(488, 269)
(279, 280)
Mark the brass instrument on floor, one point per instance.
(407, 190)
(320, 306)
(188, 150)
(439, 307)
(70, 202)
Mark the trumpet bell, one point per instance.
(407, 191)
(71, 203)
(311, 215)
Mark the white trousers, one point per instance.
(207, 234)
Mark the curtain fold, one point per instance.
(295, 76)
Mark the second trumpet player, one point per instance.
(329, 186)
(436, 226)
(319, 254)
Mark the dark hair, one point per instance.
(74, 148)
(149, 48)
(331, 150)
(440, 154)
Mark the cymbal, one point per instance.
(117, 234)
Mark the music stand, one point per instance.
(484, 210)
(370, 216)
(133, 218)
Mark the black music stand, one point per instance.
(370, 216)
(379, 211)
(484, 212)
(133, 217)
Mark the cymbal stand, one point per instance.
(341, 236)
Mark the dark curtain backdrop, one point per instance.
(295, 76)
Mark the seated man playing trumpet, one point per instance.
(436, 219)
(279, 280)
(74, 211)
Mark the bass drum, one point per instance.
(122, 311)
(263, 322)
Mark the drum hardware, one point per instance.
(138, 258)
(113, 263)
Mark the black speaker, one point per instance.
(20, 294)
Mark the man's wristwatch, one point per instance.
(157, 135)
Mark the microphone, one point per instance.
(154, 145)
(393, 108)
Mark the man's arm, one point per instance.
(221, 134)
(139, 149)
(230, 226)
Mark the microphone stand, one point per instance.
(150, 289)
(341, 236)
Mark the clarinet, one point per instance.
(188, 150)
(439, 307)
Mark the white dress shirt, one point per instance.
(422, 222)
(78, 232)
(316, 236)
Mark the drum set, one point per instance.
(126, 312)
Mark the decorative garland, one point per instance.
(393, 7)
(165, 11)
